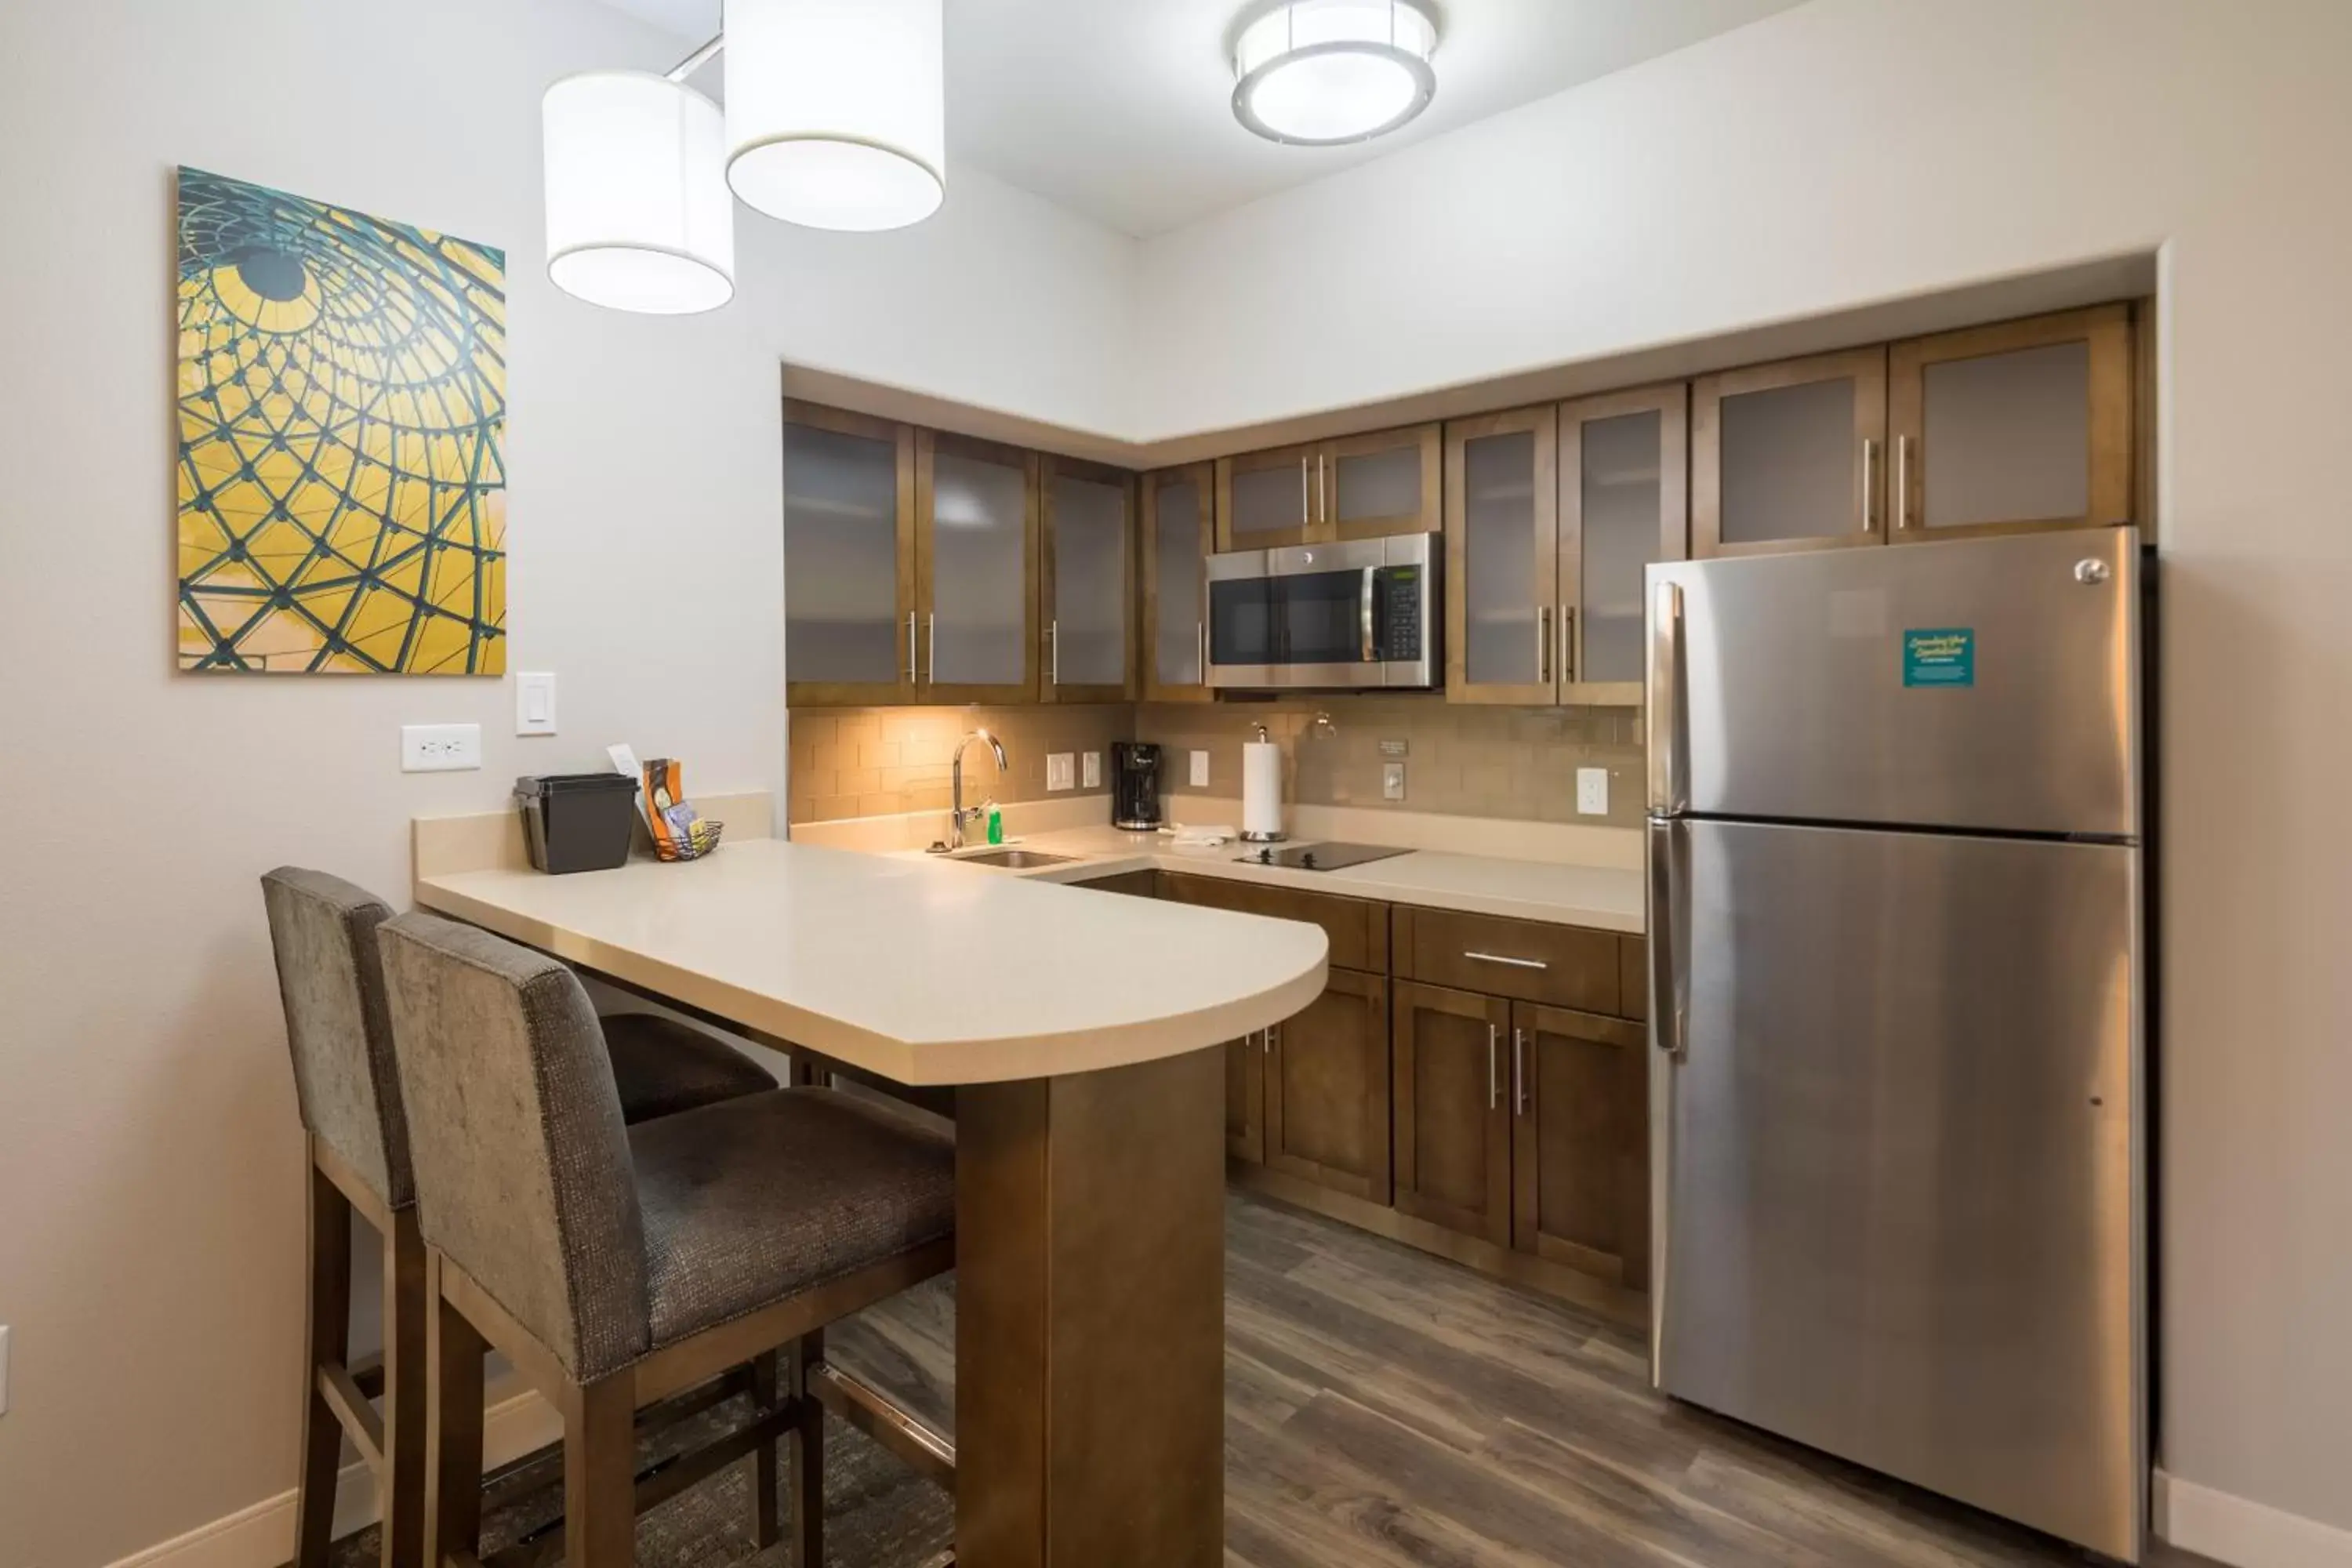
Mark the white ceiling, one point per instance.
(1121, 109)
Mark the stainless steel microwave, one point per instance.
(1367, 613)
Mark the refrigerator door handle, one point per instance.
(1669, 789)
(1669, 967)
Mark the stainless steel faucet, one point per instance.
(956, 814)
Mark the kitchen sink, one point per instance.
(1015, 859)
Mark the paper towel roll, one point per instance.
(1261, 790)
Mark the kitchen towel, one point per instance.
(1261, 790)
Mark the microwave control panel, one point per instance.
(1396, 610)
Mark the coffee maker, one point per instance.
(1135, 786)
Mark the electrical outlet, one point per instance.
(1057, 770)
(1592, 791)
(1090, 770)
(439, 747)
(534, 703)
(1392, 781)
(1200, 774)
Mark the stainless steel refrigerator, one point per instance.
(1897, 1012)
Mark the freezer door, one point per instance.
(1897, 1175)
(1981, 683)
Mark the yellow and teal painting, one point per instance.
(341, 419)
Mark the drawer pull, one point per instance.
(1514, 963)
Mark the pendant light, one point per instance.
(836, 109)
(638, 218)
(1318, 73)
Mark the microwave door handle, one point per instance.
(1364, 612)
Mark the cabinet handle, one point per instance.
(1567, 644)
(1322, 492)
(1494, 1089)
(1500, 958)
(914, 672)
(1518, 1072)
(1202, 630)
(1265, 1042)
(1305, 517)
(1053, 660)
(1869, 485)
(932, 631)
(1543, 645)
(1902, 483)
(1271, 1030)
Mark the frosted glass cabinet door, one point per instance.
(1266, 500)
(2020, 426)
(1502, 557)
(1789, 456)
(1088, 582)
(849, 558)
(1622, 506)
(1369, 487)
(976, 552)
(1176, 535)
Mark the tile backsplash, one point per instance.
(878, 762)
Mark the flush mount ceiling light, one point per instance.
(836, 109)
(638, 218)
(1318, 73)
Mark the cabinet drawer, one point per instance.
(1358, 928)
(1562, 966)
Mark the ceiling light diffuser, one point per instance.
(638, 218)
(1318, 73)
(837, 110)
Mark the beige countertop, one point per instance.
(1605, 898)
(923, 971)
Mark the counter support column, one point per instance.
(1090, 1318)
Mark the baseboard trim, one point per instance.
(261, 1535)
(2244, 1532)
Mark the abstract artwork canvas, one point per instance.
(341, 415)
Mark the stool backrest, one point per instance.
(523, 1173)
(331, 979)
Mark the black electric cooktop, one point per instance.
(1318, 857)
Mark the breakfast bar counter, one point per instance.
(1082, 1040)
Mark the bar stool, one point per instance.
(617, 1265)
(331, 979)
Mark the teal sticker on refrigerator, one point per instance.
(1940, 656)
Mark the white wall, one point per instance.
(1855, 150)
(150, 1160)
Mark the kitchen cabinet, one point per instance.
(1356, 487)
(1530, 961)
(1623, 503)
(850, 555)
(1086, 585)
(1266, 500)
(1789, 456)
(2010, 427)
(1580, 1141)
(1501, 556)
(1358, 929)
(1245, 1096)
(1134, 884)
(1326, 1089)
(1177, 534)
(975, 569)
(1452, 1111)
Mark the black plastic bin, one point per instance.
(577, 822)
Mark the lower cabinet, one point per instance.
(1326, 1089)
(1246, 1095)
(1453, 1109)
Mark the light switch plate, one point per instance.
(535, 702)
(1200, 774)
(1090, 770)
(1392, 781)
(440, 748)
(1592, 791)
(1057, 770)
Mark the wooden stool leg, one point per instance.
(327, 1341)
(407, 1308)
(808, 1453)
(765, 1528)
(600, 1494)
(453, 1416)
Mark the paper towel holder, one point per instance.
(1257, 833)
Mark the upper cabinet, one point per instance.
(1178, 535)
(1358, 487)
(975, 569)
(1502, 557)
(849, 554)
(1788, 456)
(1086, 582)
(2020, 426)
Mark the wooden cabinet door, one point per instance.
(1369, 487)
(975, 569)
(1623, 503)
(2007, 428)
(1502, 557)
(1266, 500)
(1177, 534)
(1246, 1061)
(1326, 1089)
(1789, 456)
(1452, 1112)
(1086, 583)
(1580, 1141)
(849, 558)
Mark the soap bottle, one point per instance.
(995, 824)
